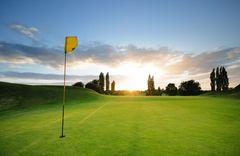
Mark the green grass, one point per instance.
(114, 125)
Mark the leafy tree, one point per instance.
(212, 78)
(171, 89)
(158, 91)
(78, 84)
(107, 82)
(189, 88)
(94, 85)
(101, 82)
(113, 86)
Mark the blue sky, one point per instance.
(181, 27)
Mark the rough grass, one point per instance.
(111, 125)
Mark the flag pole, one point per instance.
(64, 94)
(70, 44)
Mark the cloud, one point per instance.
(22, 54)
(29, 32)
(95, 53)
(109, 55)
(176, 64)
(206, 61)
(234, 54)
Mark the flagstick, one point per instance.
(64, 94)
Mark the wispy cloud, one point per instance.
(29, 32)
(40, 78)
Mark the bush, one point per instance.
(78, 84)
(94, 85)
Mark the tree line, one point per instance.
(190, 87)
(219, 79)
(101, 85)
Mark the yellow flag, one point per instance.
(71, 43)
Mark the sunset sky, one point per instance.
(174, 40)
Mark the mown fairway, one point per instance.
(108, 125)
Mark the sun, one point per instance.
(134, 82)
(136, 75)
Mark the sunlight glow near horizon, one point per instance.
(137, 75)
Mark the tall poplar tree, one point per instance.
(113, 86)
(107, 82)
(101, 82)
(221, 75)
(151, 87)
(218, 81)
(225, 80)
(212, 78)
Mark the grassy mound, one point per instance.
(233, 93)
(17, 95)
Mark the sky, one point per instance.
(173, 40)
